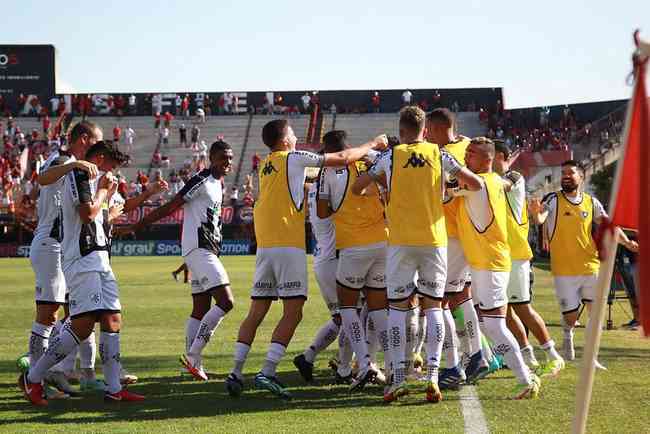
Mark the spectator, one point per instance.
(267, 105)
(168, 119)
(117, 133)
(54, 103)
(182, 131)
(234, 103)
(185, 106)
(221, 104)
(156, 124)
(375, 101)
(46, 125)
(306, 101)
(455, 107)
(406, 97)
(165, 137)
(256, 162)
(132, 105)
(156, 161)
(278, 104)
(202, 149)
(234, 195)
(200, 114)
(333, 109)
(129, 135)
(437, 99)
(176, 183)
(194, 136)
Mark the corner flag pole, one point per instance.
(610, 242)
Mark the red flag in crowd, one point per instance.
(632, 207)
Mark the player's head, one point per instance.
(480, 155)
(501, 154)
(221, 156)
(278, 135)
(84, 135)
(106, 156)
(334, 141)
(573, 175)
(411, 124)
(441, 124)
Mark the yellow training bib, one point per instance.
(278, 221)
(457, 150)
(414, 212)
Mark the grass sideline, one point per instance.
(155, 311)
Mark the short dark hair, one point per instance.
(500, 146)
(486, 143)
(576, 164)
(219, 145)
(108, 149)
(80, 128)
(442, 116)
(334, 140)
(412, 117)
(274, 131)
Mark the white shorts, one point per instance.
(325, 272)
(92, 291)
(362, 267)
(571, 291)
(402, 263)
(50, 282)
(489, 288)
(206, 270)
(280, 272)
(519, 283)
(457, 268)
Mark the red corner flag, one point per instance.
(632, 198)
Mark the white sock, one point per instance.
(506, 345)
(323, 339)
(69, 362)
(397, 339)
(38, 341)
(434, 341)
(486, 348)
(58, 348)
(449, 345)
(551, 352)
(191, 327)
(273, 357)
(528, 355)
(422, 332)
(209, 324)
(87, 352)
(471, 326)
(356, 335)
(345, 355)
(379, 318)
(241, 352)
(109, 351)
(372, 339)
(412, 324)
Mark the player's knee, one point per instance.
(226, 303)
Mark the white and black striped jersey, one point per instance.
(48, 205)
(323, 229)
(84, 242)
(203, 196)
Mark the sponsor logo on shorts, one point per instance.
(195, 282)
(380, 278)
(73, 302)
(431, 285)
(400, 290)
(263, 285)
(295, 285)
(95, 298)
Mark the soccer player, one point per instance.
(417, 240)
(441, 129)
(361, 236)
(483, 232)
(94, 294)
(520, 309)
(281, 264)
(201, 199)
(568, 216)
(325, 264)
(45, 251)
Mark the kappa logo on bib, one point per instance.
(584, 214)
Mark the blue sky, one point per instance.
(544, 52)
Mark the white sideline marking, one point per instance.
(472, 411)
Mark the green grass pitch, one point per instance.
(155, 311)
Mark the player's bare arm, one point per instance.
(88, 210)
(151, 190)
(351, 155)
(154, 215)
(53, 174)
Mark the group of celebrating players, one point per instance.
(421, 242)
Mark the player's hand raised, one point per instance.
(87, 167)
(115, 211)
(381, 142)
(535, 206)
(159, 186)
(108, 181)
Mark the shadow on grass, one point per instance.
(176, 397)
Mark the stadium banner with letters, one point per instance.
(27, 69)
(229, 215)
(171, 248)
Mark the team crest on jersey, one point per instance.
(416, 161)
(584, 214)
(269, 169)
